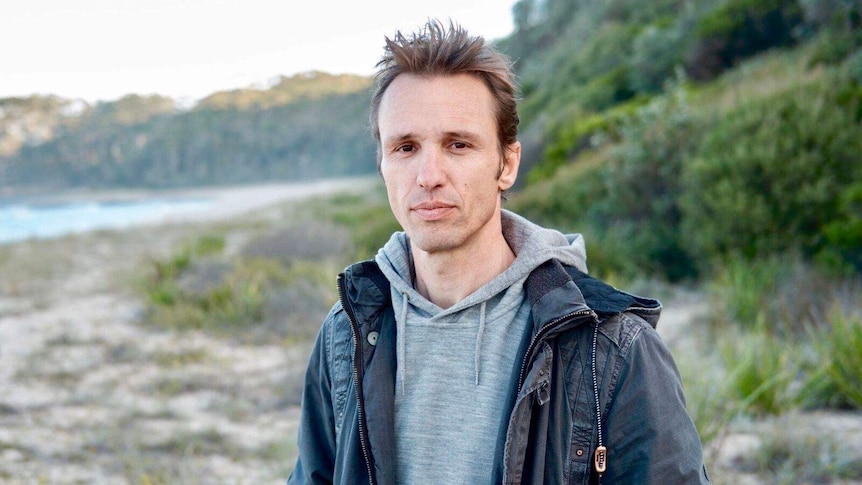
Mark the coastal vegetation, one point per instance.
(307, 126)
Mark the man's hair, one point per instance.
(437, 51)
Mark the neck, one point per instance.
(447, 278)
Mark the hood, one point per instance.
(533, 245)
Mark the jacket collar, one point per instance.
(553, 290)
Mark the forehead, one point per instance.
(436, 103)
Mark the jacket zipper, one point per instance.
(600, 457)
(540, 335)
(357, 371)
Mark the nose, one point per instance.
(431, 170)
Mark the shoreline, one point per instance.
(218, 202)
(73, 195)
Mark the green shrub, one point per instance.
(603, 52)
(161, 287)
(738, 29)
(306, 240)
(656, 53)
(200, 288)
(768, 177)
(581, 132)
(280, 283)
(786, 294)
(834, 46)
(367, 217)
(854, 65)
(843, 236)
(573, 202)
(606, 90)
(745, 289)
(208, 244)
(566, 200)
(626, 197)
(643, 180)
(834, 378)
(838, 16)
(236, 299)
(790, 334)
(760, 369)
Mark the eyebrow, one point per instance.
(399, 138)
(463, 135)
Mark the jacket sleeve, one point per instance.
(316, 436)
(650, 436)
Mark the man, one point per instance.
(475, 349)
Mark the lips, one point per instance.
(432, 210)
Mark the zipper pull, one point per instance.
(601, 459)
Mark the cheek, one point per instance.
(394, 196)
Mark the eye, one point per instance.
(405, 148)
(459, 145)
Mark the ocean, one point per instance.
(23, 220)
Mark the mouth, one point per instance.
(432, 210)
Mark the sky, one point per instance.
(101, 50)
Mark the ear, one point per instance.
(509, 171)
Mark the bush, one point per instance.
(854, 65)
(834, 379)
(738, 29)
(643, 180)
(784, 293)
(656, 53)
(252, 296)
(843, 235)
(308, 240)
(769, 177)
(626, 197)
(834, 46)
(746, 289)
(836, 15)
(790, 334)
(606, 90)
(367, 217)
(760, 370)
(566, 200)
(580, 133)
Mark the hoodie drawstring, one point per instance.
(479, 335)
(402, 340)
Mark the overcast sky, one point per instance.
(186, 49)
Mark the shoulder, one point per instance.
(624, 318)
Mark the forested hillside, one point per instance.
(307, 126)
(682, 133)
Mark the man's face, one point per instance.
(441, 161)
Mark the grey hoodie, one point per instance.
(454, 364)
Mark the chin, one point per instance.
(433, 243)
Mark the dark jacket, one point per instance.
(595, 369)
